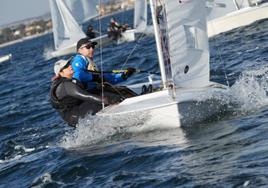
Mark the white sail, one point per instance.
(140, 15)
(83, 10)
(218, 8)
(187, 42)
(242, 3)
(66, 30)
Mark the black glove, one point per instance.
(96, 77)
(128, 73)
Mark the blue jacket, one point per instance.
(80, 64)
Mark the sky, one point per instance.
(16, 10)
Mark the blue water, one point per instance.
(37, 149)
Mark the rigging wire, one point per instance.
(101, 58)
(132, 51)
(224, 67)
(221, 61)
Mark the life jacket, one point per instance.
(66, 102)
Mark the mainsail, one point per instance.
(140, 15)
(66, 30)
(83, 10)
(186, 42)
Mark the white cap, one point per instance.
(59, 65)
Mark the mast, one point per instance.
(158, 45)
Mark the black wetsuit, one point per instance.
(91, 34)
(69, 98)
(114, 31)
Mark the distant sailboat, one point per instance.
(234, 14)
(66, 28)
(67, 16)
(140, 21)
(183, 52)
(5, 58)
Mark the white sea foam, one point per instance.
(93, 129)
(250, 90)
(47, 53)
(43, 180)
(17, 157)
(23, 148)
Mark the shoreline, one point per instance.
(50, 31)
(24, 39)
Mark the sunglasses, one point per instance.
(88, 46)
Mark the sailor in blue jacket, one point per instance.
(86, 71)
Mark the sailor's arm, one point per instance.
(75, 91)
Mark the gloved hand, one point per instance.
(96, 77)
(128, 73)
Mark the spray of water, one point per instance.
(47, 53)
(93, 129)
(250, 90)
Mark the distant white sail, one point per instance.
(140, 15)
(243, 3)
(187, 42)
(83, 10)
(66, 30)
(218, 8)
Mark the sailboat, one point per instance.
(68, 16)
(234, 14)
(186, 95)
(66, 28)
(140, 21)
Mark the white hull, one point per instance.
(5, 58)
(237, 19)
(191, 106)
(133, 34)
(127, 36)
(103, 40)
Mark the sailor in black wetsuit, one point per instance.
(115, 29)
(68, 96)
(90, 32)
